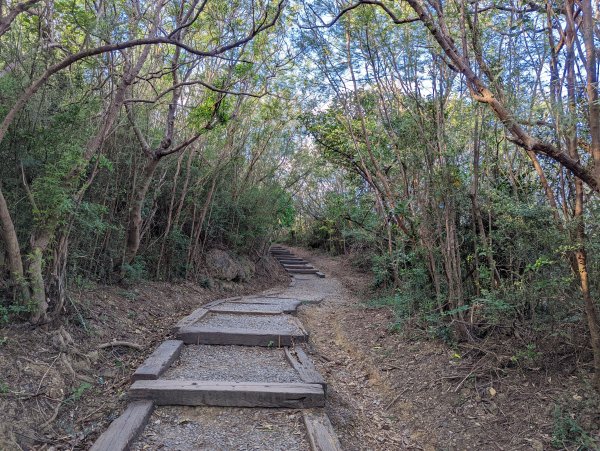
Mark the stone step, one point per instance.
(228, 394)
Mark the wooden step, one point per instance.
(302, 271)
(285, 261)
(271, 300)
(298, 266)
(242, 337)
(229, 394)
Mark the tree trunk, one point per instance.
(198, 228)
(13, 250)
(135, 212)
(39, 243)
(579, 232)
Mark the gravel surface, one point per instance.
(249, 307)
(266, 323)
(232, 363)
(223, 429)
(313, 288)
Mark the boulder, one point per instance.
(248, 268)
(222, 265)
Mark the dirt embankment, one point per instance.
(391, 391)
(62, 384)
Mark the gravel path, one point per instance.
(279, 323)
(223, 429)
(232, 363)
(312, 288)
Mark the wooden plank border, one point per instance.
(321, 435)
(199, 313)
(304, 366)
(192, 318)
(242, 337)
(229, 394)
(302, 271)
(159, 361)
(294, 320)
(124, 431)
(247, 312)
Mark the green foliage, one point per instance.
(136, 271)
(9, 311)
(568, 433)
(78, 392)
(527, 355)
(4, 388)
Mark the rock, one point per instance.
(248, 268)
(222, 265)
(229, 267)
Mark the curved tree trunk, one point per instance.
(13, 250)
(135, 212)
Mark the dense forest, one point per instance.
(449, 148)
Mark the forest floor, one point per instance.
(59, 388)
(407, 391)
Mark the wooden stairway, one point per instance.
(262, 322)
(291, 263)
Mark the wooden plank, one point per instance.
(277, 307)
(268, 300)
(199, 313)
(123, 432)
(266, 297)
(229, 394)
(320, 274)
(298, 266)
(242, 337)
(304, 366)
(321, 435)
(302, 271)
(159, 361)
(246, 312)
(298, 324)
(221, 301)
(192, 318)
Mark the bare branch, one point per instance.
(201, 83)
(381, 5)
